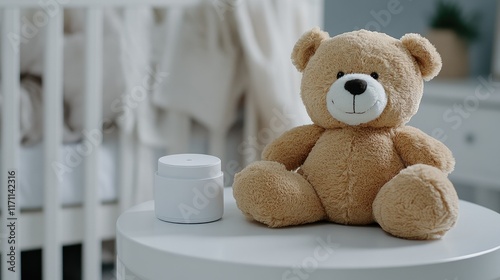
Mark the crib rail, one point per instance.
(95, 3)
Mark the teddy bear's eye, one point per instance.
(340, 74)
(374, 75)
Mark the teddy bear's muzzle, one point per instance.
(356, 98)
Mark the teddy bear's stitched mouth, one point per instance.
(359, 113)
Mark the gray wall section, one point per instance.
(397, 17)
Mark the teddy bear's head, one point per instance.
(363, 78)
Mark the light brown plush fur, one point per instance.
(379, 171)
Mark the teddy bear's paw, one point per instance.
(418, 203)
(267, 192)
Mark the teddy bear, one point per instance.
(358, 163)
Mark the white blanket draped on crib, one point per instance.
(222, 51)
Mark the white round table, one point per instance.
(237, 249)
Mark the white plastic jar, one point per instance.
(188, 189)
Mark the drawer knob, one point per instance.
(470, 138)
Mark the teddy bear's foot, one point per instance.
(267, 192)
(418, 203)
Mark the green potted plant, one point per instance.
(451, 33)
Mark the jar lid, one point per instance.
(189, 166)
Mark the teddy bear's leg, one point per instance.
(418, 203)
(266, 192)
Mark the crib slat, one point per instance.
(126, 178)
(10, 121)
(250, 125)
(53, 116)
(95, 3)
(93, 132)
(127, 140)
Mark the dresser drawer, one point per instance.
(474, 139)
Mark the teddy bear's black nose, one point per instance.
(355, 86)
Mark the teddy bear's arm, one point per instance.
(414, 146)
(292, 148)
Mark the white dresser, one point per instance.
(465, 115)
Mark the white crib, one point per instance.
(56, 226)
(91, 222)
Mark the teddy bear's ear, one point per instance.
(425, 53)
(306, 46)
